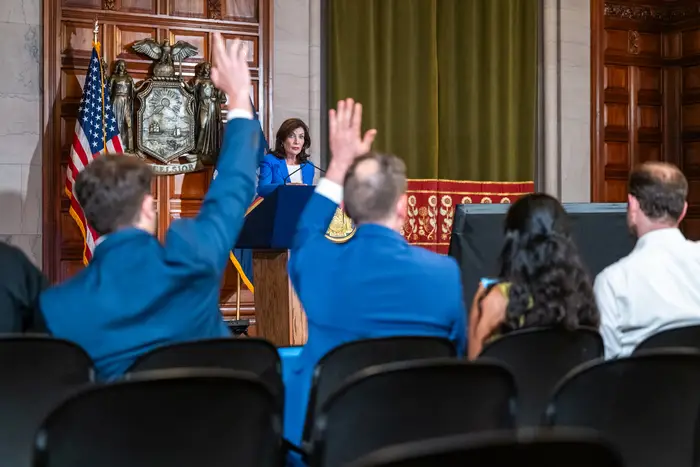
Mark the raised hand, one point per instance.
(230, 72)
(345, 138)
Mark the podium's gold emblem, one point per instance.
(341, 229)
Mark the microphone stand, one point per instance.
(288, 177)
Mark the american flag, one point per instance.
(96, 132)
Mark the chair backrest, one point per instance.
(256, 356)
(684, 337)
(539, 358)
(572, 448)
(334, 369)
(36, 373)
(409, 401)
(173, 418)
(646, 404)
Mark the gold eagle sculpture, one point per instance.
(165, 54)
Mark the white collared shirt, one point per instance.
(655, 287)
(294, 171)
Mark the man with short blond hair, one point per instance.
(657, 286)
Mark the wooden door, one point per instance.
(645, 66)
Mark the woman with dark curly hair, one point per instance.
(542, 281)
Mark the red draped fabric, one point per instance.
(431, 205)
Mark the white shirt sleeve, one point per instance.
(330, 190)
(609, 316)
(239, 113)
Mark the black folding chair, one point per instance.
(37, 372)
(409, 401)
(256, 356)
(166, 418)
(539, 358)
(683, 337)
(334, 369)
(570, 448)
(646, 405)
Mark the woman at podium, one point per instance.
(288, 161)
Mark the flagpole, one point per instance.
(238, 297)
(98, 47)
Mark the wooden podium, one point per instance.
(278, 313)
(269, 231)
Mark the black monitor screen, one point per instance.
(600, 231)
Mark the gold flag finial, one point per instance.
(95, 31)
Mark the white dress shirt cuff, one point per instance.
(239, 113)
(330, 190)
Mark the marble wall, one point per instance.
(567, 100)
(20, 125)
(296, 69)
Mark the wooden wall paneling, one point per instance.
(658, 43)
(67, 46)
(690, 121)
(135, 6)
(240, 10)
(672, 84)
(598, 85)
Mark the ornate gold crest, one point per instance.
(341, 229)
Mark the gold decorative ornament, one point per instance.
(341, 229)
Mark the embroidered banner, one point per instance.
(431, 205)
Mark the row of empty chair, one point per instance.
(368, 391)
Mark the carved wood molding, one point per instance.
(633, 47)
(660, 13)
(108, 5)
(214, 7)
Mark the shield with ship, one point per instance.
(165, 120)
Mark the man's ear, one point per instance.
(685, 210)
(148, 208)
(402, 205)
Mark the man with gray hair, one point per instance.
(375, 284)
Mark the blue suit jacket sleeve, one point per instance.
(204, 242)
(265, 184)
(310, 238)
(458, 334)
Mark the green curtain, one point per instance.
(383, 54)
(450, 85)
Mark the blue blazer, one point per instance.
(374, 285)
(273, 173)
(137, 294)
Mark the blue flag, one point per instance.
(243, 259)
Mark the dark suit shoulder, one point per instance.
(13, 255)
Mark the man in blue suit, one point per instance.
(137, 294)
(376, 284)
